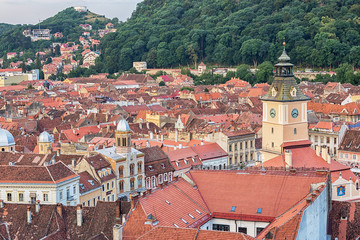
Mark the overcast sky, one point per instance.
(31, 11)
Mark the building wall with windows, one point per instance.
(249, 227)
(240, 147)
(349, 158)
(153, 181)
(66, 193)
(90, 198)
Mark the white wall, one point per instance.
(313, 223)
(235, 224)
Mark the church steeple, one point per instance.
(284, 87)
(284, 111)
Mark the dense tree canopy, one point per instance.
(169, 33)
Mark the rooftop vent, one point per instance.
(191, 216)
(167, 202)
(198, 211)
(184, 221)
(233, 209)
(259, 210)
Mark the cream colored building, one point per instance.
(284, 111)
(240, 145)
(127, 162)
(44, 143)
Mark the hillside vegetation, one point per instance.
(66, 21)
(169, 33)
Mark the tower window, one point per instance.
(294, 130)
(272, 130)
(272, 144)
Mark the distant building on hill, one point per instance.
(139, 66)
(80, 8)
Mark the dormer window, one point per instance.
(162, 166)
(186, 162)
(293, 92)
(273, 92)
(151, 168)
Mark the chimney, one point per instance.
(288, 157)
(117, 232)
(123, 219)
(59, 209)
(79, 215)
(140, 125)
(176, 135)
(202, 142)
(1, 203)
(157, 137)
(151, 135)
(133, 200)
(148, 143)
(143, 194)
(324, 153)
(176, 178)
(73, 163)
(37, 206)
(147, 125)
(148, 191)
(162, 137)
(118, 209)
(28, 215)
(161, 185)
(180, 146)
(317, 150)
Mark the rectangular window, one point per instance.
(235, 146)
(9, 197)
(112, 184)
(221, 227)
(61, 195)
(113, 197)
(88, 203)
(108, 186)
(241, 145)
(230, 148)
(354, 156)
(46, 197)
(67, 194)
(334, 140)
(258, 230)
(94, 200)
(341, 155)
(316, 139)
(346, 155)
(242, 230)
(251, 143)
(327, 140)
(246, 145)
(74, 189)
(21, 197)
(103, 187)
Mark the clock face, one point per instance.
(272, 113)
(294, 113)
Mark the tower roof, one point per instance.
(284, 87)
(6, 138)
(123, 126)
(45, 137)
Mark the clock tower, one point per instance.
(284, 111)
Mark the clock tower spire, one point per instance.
(284, 111)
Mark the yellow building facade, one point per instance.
(284, 111)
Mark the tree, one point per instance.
(162, 83)
(252, 51)
(206, 90)
(243, 72)
(264, 72)
(345, 73)
(57, 51)
(192, 54)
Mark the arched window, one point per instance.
(219, 167)
(124, 142)
(170, 176)
(139, 181)
(118, 142)
(153, 182)
(272, 130)
(121, 186)
(139, 167)
(132, 183)
(121, 171)
(148, 183)
(160, 178)
(294, 130)
(132, 169)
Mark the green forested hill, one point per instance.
(169, 33)
(4, 27)
(66, 21)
